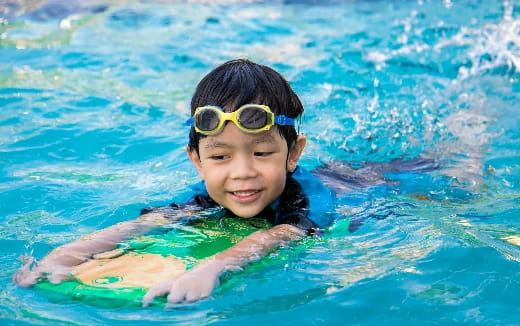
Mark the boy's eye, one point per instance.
(263, 154)
(218, 157)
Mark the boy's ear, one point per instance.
(295, 152)
(195, 159)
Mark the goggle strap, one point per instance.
(189, 122)
(282, 120)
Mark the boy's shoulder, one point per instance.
(322, 200)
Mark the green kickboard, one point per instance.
(122, 276)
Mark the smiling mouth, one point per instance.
(245, 196)
(245, 193)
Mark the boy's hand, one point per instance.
(198, 282)
(27, 276)
(58, 264)
(195, 284)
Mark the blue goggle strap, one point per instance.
(282, 120)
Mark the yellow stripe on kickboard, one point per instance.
(513, 239)
(129, 270)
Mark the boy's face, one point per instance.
(245, 172)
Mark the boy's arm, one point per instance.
(56, 266)
(200, 281)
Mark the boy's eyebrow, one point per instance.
(216, 144)
(265, 138)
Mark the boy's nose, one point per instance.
(243, 168)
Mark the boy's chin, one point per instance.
(246, 213)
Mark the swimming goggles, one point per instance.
(252, 118)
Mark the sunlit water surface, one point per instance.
(92, 103)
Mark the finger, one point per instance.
(177, 295)
(58, 277)
(195, 296)
(25, 277)
(174, 298)
(158, 289)
(26, 260)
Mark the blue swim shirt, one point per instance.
(305, 202)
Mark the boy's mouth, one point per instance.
(245, 195)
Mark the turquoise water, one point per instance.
(92, 100)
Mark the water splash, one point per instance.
(489, 47)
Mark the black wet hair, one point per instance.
(238, 82)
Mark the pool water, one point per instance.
(93, 96)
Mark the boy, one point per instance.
(245, 148)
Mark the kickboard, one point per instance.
(122, 276)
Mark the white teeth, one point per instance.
(244, 193)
